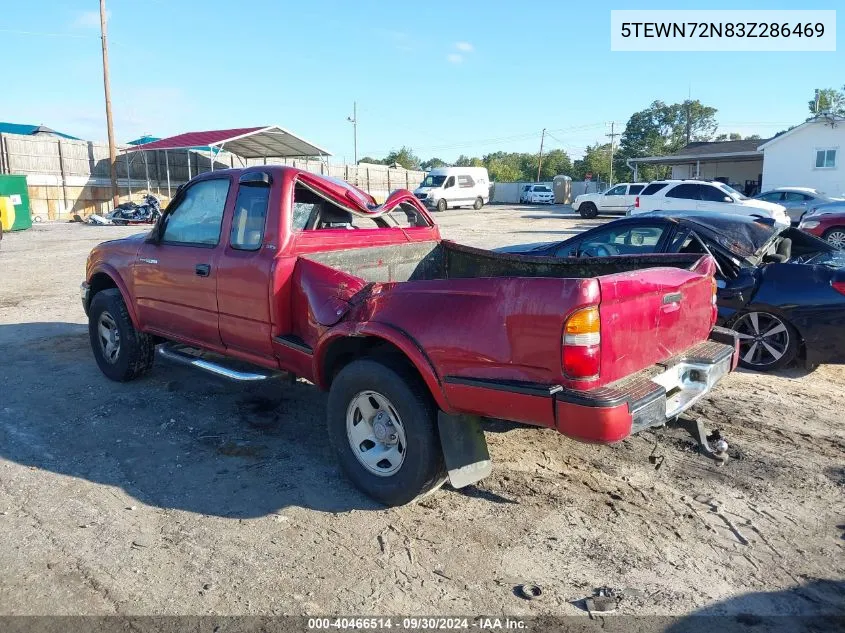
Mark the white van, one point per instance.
(452, 187)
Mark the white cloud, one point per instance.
(89, 20)
(455, 58)
(465, 47)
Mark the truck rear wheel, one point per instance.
(122, 353)
(588, 210)
(479, 202)
(382, 424)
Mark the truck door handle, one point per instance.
(203, 270)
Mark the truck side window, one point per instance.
(250, 215)
(465, 182)
(450, 182)
(197, 218)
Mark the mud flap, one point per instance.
(464, 448)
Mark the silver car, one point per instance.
(797, 200)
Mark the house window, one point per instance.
(825, 158)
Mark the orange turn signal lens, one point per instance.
(584, 321)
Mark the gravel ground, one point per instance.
(181, 494)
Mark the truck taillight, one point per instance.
(582, 344)
(637, 202)
(838, 286)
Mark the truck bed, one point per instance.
(482, 314)
(425, 261)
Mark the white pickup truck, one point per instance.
(615, 200)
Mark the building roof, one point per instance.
(30, 130)
(827, 119)
(247, 142)
(708, 150)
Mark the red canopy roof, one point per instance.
(247, 142)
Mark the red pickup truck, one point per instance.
(258, 272)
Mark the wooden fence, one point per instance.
(67, 177)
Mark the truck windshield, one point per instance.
(433, 181)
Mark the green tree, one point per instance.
(404, 156)
(830, 100)
(663, 129)
(501, 170)
(371, 160)
(432, 163)
(736, 136)
(555, 162)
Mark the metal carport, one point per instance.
(249, 142)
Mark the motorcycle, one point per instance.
(131, 213)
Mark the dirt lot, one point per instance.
(180, 494)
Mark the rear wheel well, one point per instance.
(347, 349)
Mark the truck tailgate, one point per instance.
(650, 315)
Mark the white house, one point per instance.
(808, 155)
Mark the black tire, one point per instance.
(588, 211)
(422, 468)
(835, 236)
(479, 202)
(135, 350)
(753, 354)
(441, 205)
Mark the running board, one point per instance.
(199, 359)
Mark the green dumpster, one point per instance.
(14, 188)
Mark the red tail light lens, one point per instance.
(637, 202)
(581, 345)
(838, 286)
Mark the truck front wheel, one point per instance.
(382, 424)
(122, 353)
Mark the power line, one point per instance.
(496, 140)
(43, 34)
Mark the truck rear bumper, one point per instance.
(647, 399)
(611, 413)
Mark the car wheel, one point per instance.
(588, 210)
(122, 353)
(836, 237)
(441, 205)
(478, 204)
(382, 424)
(766, 341)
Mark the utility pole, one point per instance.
(540, 163)
(115, 196)
(612, 136)
(354, 121)
(689, 121)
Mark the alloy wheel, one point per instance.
(763, 338)
(837, 239)
(109, 337)
(375, 433)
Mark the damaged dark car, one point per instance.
(781, 289)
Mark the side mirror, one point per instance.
(727, 199)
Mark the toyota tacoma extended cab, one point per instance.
(265, 271)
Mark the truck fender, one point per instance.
(393, 335)
(111, 272)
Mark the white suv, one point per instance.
(703, 195)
